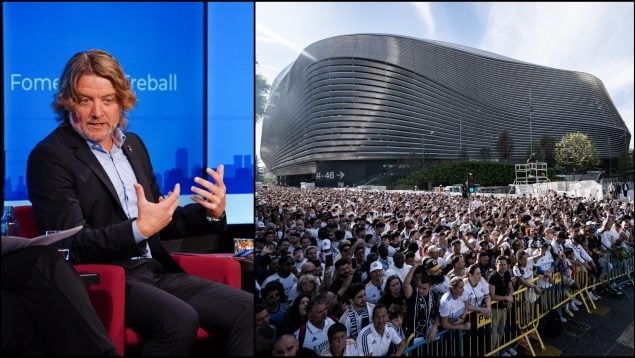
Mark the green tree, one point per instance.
(504, 145)
(575, 153)
(262, 94)
(485, 154)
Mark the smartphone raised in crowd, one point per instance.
(328, 260)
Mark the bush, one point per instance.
(485, 174)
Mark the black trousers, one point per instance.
(167, 308)
(45, 307)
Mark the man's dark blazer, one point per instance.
(68, 187)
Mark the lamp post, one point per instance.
(610, 161)
(423, 147)
(423, 152)
(531, 140)
(460, 134)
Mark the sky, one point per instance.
(595, 38)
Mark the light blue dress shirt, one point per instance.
(122, 176)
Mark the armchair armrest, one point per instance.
(108, 299)
(220, 269)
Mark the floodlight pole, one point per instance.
(610, 161)
(531, 140)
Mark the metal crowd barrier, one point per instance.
(519, 325)
(447, 343)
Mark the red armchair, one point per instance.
(108, 296)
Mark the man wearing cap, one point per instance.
(434, 252)
(440, 282)
(327, 249)
(375, 286)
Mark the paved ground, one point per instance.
(606, 331)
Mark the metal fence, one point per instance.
(519, 325)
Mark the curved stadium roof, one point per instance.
(386, 97)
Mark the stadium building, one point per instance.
(355, 107)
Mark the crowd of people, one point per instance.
(351, 272)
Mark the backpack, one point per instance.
(301, 335)
(551, 324)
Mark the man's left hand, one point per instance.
(212, 196)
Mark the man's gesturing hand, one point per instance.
(153, 217)
(212, 196)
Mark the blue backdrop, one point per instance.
(162, 49)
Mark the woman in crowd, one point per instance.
(453, 312)
(479, 304)
(393, 293)
(307, 285)
(296, 315)
(453, 306)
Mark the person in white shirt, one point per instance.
(359, 313)
(339, 344)
(453, 306)
(398, 267)
(558, 243)
(284, 275)
(580, 254)
(313, 334)
(544, 263)
(435, 252)
(466, 225)
(523, 271)
(375, 339)
(608, 233)
(298, 259)
(455, 244)
(477, 291)
(375, 287)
